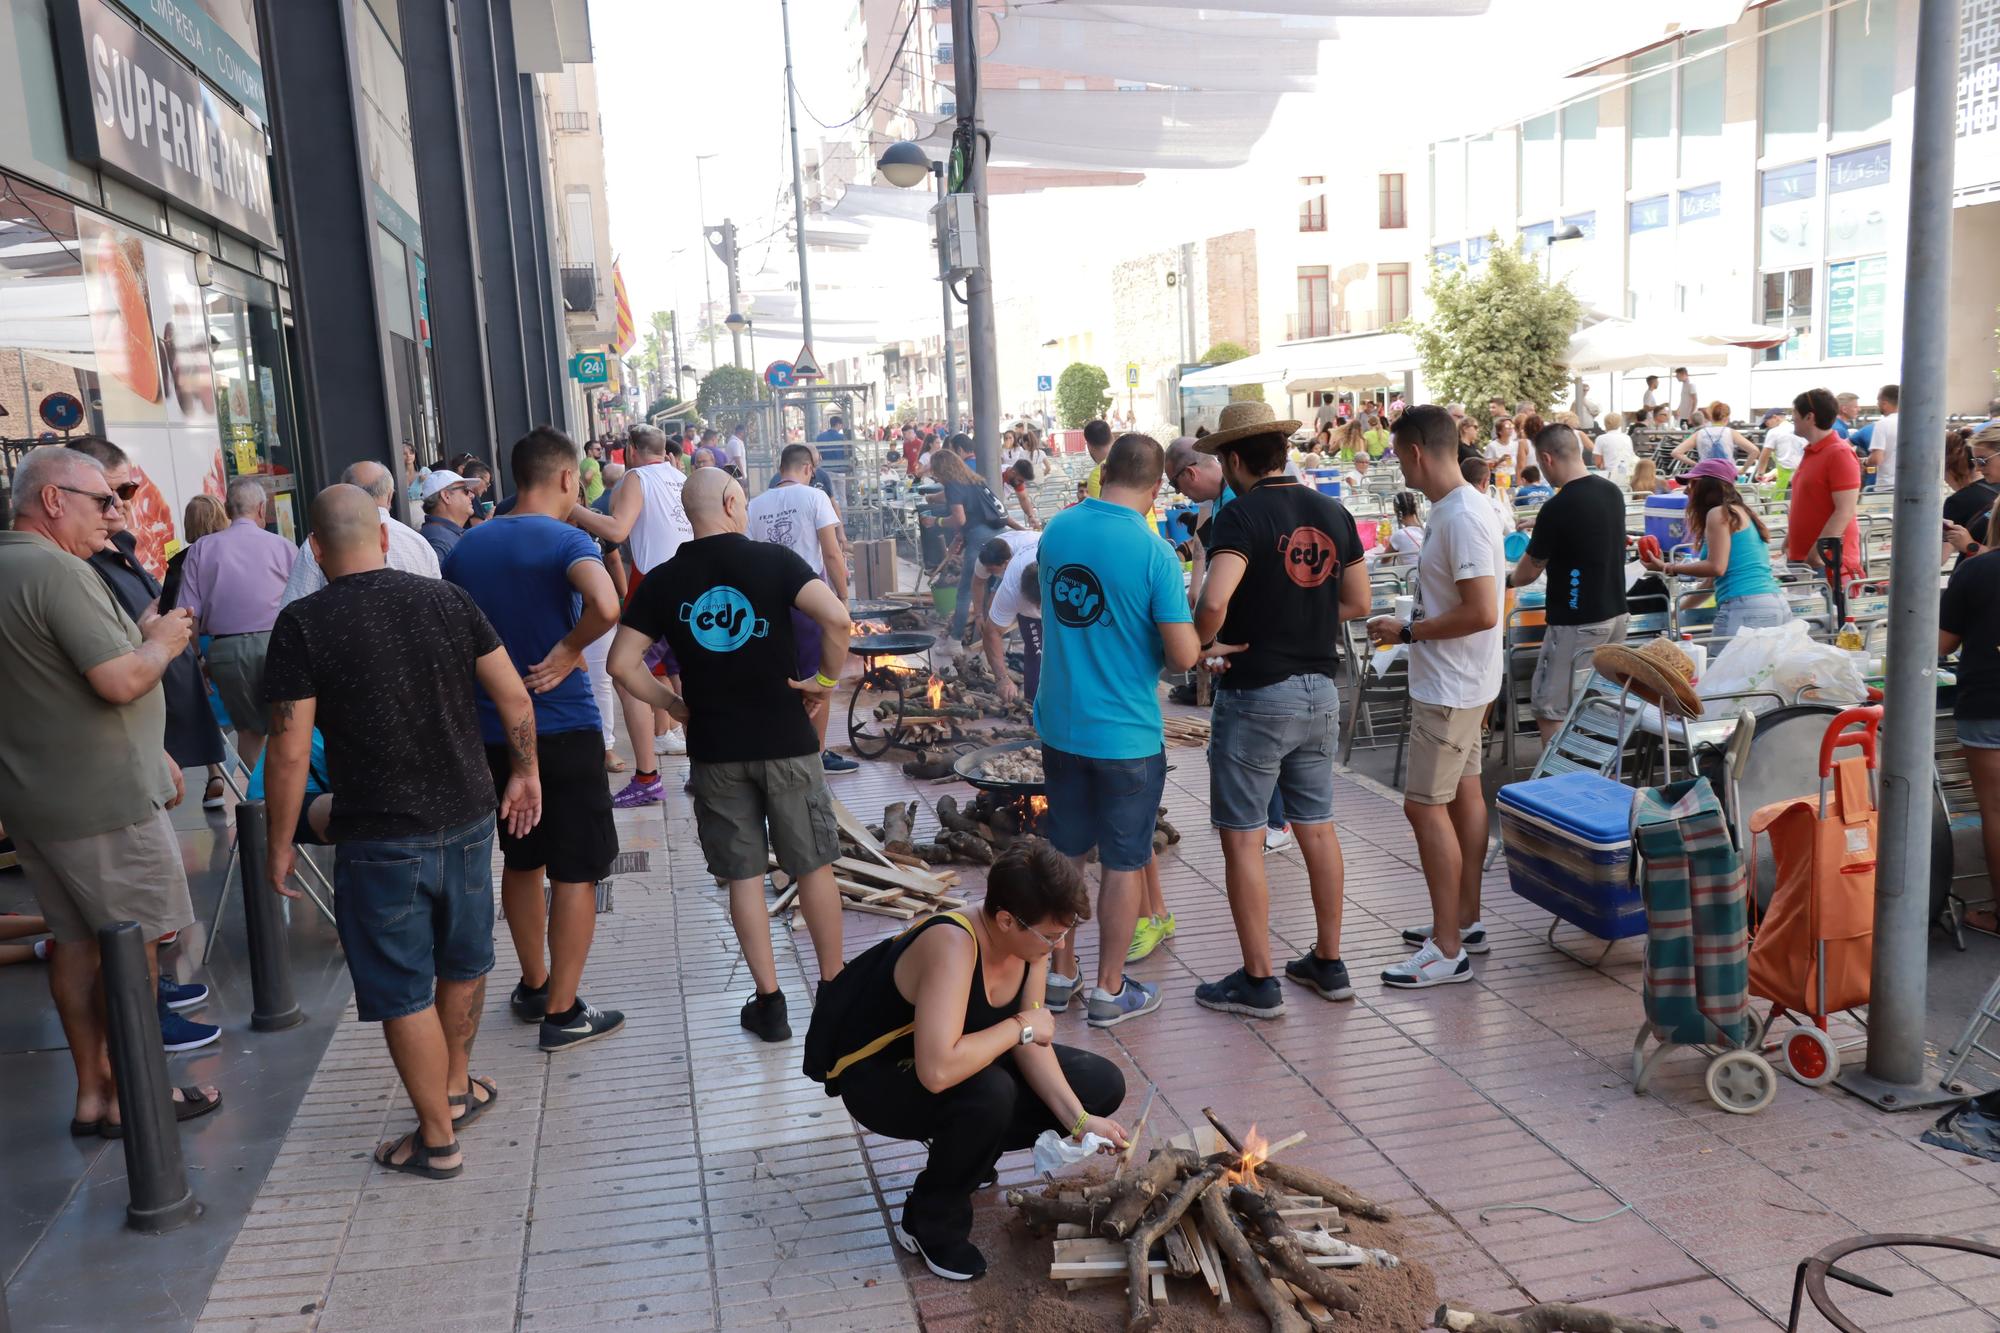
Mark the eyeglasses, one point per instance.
(107, 501)
(127, 491)
(1055, 943)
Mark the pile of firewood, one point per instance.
(876, 879)
(1213, 1207)
(977, 832)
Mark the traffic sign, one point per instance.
(589, 368)
(61, 411)
(1131, 375)
(780, 375)
(1044, 383)
(805, 366)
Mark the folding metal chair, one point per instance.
(305, 865)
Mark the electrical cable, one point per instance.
(1567, 1217)
(868, 103)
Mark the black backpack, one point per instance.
(842, 1032)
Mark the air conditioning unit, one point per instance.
(944, 56)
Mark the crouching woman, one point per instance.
(938, 1034)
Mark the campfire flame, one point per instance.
(871, 627)
(1038, 805)
(1256, 1151)
(936, 692)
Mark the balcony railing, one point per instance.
(579, 288)
(570, 122)
(1322, 324)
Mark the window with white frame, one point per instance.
(1700, 113)
(1649, 244)
(1864, 67)
(1448, 187)
(1793, 63)
(1312, 209)
(1822, 254)
(1541, 165)
(1579, 151)
(1392, 292)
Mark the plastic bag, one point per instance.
(1783, 660)
(1054, 1152)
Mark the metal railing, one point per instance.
(570, 122)
(579, 288)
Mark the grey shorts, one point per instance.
(734, 802)
(236, 665)
(1281, 736)
(129, 874)
(1566, 651)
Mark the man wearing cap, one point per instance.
(1579, 539)
(1286, 569)
(1454, 676)
(447, 505)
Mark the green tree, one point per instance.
(666, 402)
(724, 386)
(1083, 392)
(1224, 352)
(1499, 334)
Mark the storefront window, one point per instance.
(1448, 187)
(1701, 104)
(1651, 111)
(1792, 68)
(1859, 199)
(1857, 307)
(1580, 151)
(1650, 255)
(1788, 303)
(1541, 165)
(1787, 233)
(1864, 58)
(251, 393)
(1701, 258)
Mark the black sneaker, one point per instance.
(529, 1003)
(1238, 994)
(955, 1261)
(765, 1015)
(1314, 972)
(583, 1025)
(1472, 938)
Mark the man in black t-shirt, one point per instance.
(723, 603)
(1969, 624)
(1579, 539)
(1285, 569)
(383, 663)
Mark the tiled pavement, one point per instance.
(679, 1176)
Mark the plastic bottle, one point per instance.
(1849, 639)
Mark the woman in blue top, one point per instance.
(1718, 439)
(1735, 555)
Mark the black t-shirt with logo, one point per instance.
(1295, 542)
(1580, 535)
(389, 659)
(724, 605)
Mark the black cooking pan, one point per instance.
(971, 765)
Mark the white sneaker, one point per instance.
(671, 742)
(1278, 839)
(1428, 967)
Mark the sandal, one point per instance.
(84, 1129)
(192, 1104)
(474, 1108)
(418, 1163)
(212, 797)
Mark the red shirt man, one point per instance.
(1826, 488)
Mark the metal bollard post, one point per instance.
(161, 1199)
(272, 1004)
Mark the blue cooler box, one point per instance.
(1569, 851)
(1326, 480)
(1667, 520)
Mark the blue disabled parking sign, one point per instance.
(1044, 383)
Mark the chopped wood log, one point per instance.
(855, 833)
(1553, 1317)
(1180, 1253)
(928, 765)
(1043, 1212)
(1228, 1135)
(1227, 1237)
(1135, 1194)
(1302, 1181)
(931, 853)
(784, 900)
(968, 847)
(1141, 1314)
(952, 819)
(909, 858)
(1286, 1256)
(898, 822)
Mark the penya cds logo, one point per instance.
(1078, 597)
(1309, 555)
(722, 620)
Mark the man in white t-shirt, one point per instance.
(1652, 398)
(1882, 439)
(1783, 450)
(1006, 559)
(796, 514)
(732, 447)
(1687, 406)
(1614, 450)
(1455, 669)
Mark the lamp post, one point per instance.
(799, 219)
(736, 324)
(903, 164)
(1569, 231)
(972, 149)
(707, 287)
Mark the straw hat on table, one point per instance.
(1658, 672)
(1240, 421)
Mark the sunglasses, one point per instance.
(107, 501)
(127, 491)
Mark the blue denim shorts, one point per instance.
(1110, 804)
(1979, 733)
(1280, 737)
(412, 912)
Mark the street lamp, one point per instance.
(1569, 231)
(904, 165)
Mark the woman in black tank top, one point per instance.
(942, 1047)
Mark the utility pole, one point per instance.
(944, 283)
(706, 324)
(981, 340)
(674, 323)
(723, 241)
(799, 215)
(1896, 1077)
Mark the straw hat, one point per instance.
(1658, 672)
(1242, 420)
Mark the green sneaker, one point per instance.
(1146, 937)
(1167, 927)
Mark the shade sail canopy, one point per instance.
(1360, 361)
(1626, 344)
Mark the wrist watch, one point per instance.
(1404, 633)
(1027, 1034)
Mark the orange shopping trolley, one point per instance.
(1812, 949)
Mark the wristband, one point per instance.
(822, 678)
(1082, 1119)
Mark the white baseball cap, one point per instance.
(440, 479)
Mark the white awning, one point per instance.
(1625, 344)
(1362, 360)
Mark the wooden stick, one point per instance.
(1278, 1307)
(1222, 1129)
(1553, 1317)
(1042, 1211)
(1137, 1192)
(1302, 1181)
(1141, 1314)
(1285, 1254)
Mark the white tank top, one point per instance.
(663, 523)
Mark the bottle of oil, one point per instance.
(1849, 638)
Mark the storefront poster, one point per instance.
(1860, 197)
(1857, 307)
(1786, 229)
(137, 111)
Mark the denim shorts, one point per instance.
(414, 911)
(1279, 737)
(1979, 733)
(1759, 610)
(1110, 804)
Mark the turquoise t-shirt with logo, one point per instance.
(1108, 579)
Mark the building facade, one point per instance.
(247, 237)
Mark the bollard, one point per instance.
(272, 1005)
(161, 1199)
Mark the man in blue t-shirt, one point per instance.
(543, 585)
(1115, 612)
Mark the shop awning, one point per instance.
(1362, 360)
(1627, 344)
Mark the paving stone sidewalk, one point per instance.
(681, 1176)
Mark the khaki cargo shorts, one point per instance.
(1446, 745)
(734, 802)
(129, 874)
